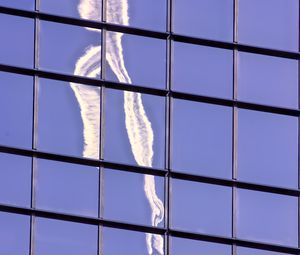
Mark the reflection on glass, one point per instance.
(64, 237)
(15, 179)
(14, 30)
(268, 150)
(16, 104)
(280, 30)
(14, 234)
(180, 246)
(249, 251)
(202, 70)
(267, 217)
(268, 80)
(202, 140)
(145, 14)
(24, 4)
(211, 19)
(200, 207)
(66, 187)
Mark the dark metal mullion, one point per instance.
(299, 129)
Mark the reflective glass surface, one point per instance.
(14, 30)
(202, 138)
(64, 237)
(211, 19)
(200, 207)
(23, 4)
(134, 128)
(249, 251)
(268, 80)
(68, 118)
(202, 70)
(136, 59)
(66, 187)
(267, 217)
(268, 148)
(16, 109)
(15, 180)
(279, 30)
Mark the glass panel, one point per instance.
(212, 19)
(136, 59)
(66, 187)
(192, 247)
(249, 251)
(16, 106)
(280, 30)
(268, 80)
(267, 217)
(196, 207)
(15, 179)
(202, 140)
(116, 241)
(135, 198)
(14, 30)
(14, 234)
(64, 237)
(69, 118)
(84, 9)
(268, 150)
(137, 13)
(70, 49)
(24, 4)
(136, 135)
(203, 70)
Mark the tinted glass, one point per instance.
(146, 14)
(134, 135)
(14, 30)
(70, 49)
(202, 70)
(268, 148)
(14, 234)
(249, 251)
(68, 118)
(16, 109)
(267, 217)
(280, 30)
(24, 4)
(212, 19)
(202, 138)
(196, 207)
(136, 59)
(268, 80)
(136, 198)
(15, 180)
(66, 187)
(64, 237)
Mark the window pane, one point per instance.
(268, 150)
(63, 237)
(16, 106)
(70, 49)
(135, 135)
(192, 247)
(212, 19)
(66, 187)
(136, 198)
(267, 217)
(24, 4)
(84, 9)
(69, 118)
(14, 234)
(136, 59)
(203, 70)
(268, 80)
(137, 13)
(249, 251)
(196, 207)
(202, 140)
(15, 180)
(280, 30)
(116, 241)
(14, 30)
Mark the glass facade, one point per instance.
(149, 127)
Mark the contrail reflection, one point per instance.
(138, 126)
